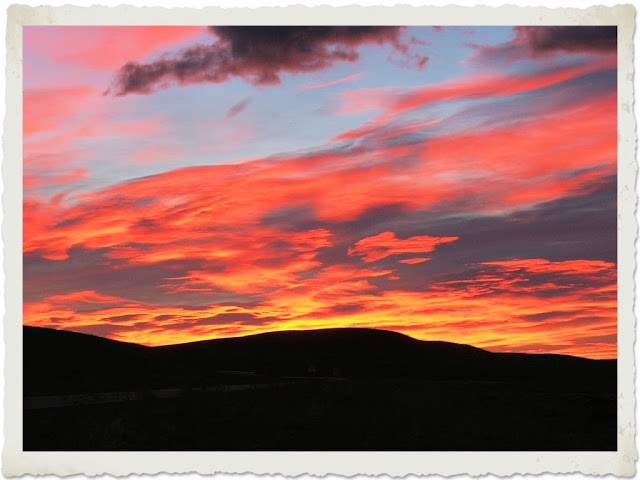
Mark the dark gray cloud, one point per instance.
(90, 270)
(101, 330)
(552, 38)
(221, 319)
(540, 41)
(258, 54)
(539, 317)
(597, 339)
(236, 319)
(120, 318)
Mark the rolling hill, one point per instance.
(324, 390)
(62, 362)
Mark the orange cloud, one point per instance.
(84, 296)
(380, 246)
(567, 267)
(247, 278)
(486, 310)
(413, 261)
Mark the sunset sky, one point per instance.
(449, 183)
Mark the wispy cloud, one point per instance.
(350, 78)
(238, 107)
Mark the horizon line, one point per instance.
(314, 330)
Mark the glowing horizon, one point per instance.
(452, 184)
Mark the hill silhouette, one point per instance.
(63, 362)
(322, 390)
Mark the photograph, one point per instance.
(327, 238)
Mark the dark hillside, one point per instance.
(64, 362)
(339, 389)
(58, 361)
(344, 352)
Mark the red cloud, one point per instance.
(567, 267)
(413, 261)
(380, 246)
(247, 278)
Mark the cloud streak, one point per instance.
(237, 108)
(349, 78)
(486, 86)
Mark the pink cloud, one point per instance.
(105, 47)
(37, 181)
(393, 102)
(50, 109)
(350, 78)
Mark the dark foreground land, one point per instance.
(345, 389)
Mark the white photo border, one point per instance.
(16, 462)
